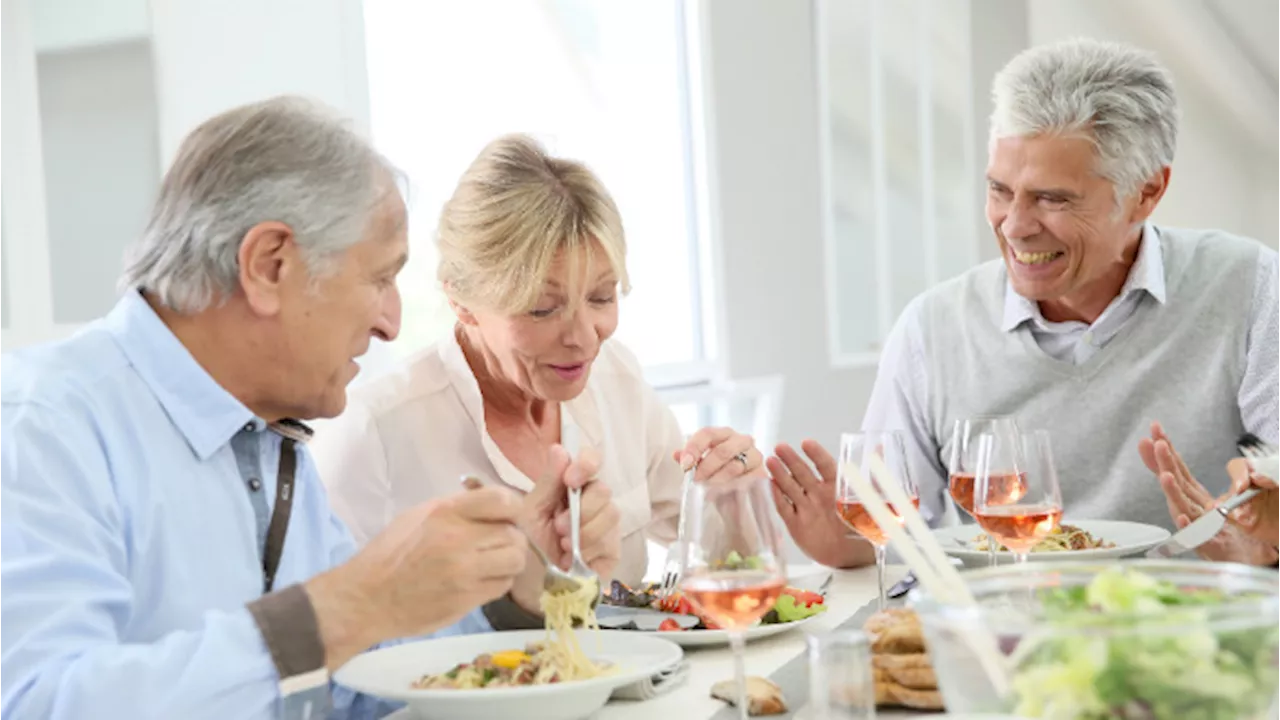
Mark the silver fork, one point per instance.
(579, 568)
(554, 580)
(1262, 456)
(1252, 446)
(675, 555)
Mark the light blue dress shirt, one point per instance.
(129, 542)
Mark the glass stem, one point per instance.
(738, 643)
(991, 550)
(880, 559)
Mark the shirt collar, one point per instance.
(203, 411)
(1147, 274)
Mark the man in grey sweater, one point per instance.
(1118, 336)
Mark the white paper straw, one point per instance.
(893, 492)
(944, 588)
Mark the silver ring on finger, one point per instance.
(742, 458)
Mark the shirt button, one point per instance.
(1088, 337)
(248, 427)
(255, 484)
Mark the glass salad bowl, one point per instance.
(1143, 639)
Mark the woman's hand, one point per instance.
(545, 516)
(721, 454)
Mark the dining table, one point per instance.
(850, 593)
(850, 598)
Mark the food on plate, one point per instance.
(1196, 670)
(792, 605)
(1064, 538)
(903, 675)
(764, 697)
(559, 659)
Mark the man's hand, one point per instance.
(807, 505)
(428, 569)
(1188, 500)
(1258, 517)
(545, 516)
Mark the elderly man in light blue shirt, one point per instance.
(168, 550)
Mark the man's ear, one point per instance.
(1149, 195)
(268, 258)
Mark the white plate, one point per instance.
(712, 638)
(1130, 539)
(389, 673)
(809, 576)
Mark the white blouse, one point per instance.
(408, 436)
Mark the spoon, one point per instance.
(555, 580)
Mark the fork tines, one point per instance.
(1260, 454)
(1252, 446)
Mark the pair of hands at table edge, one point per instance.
(438, 561)
(806, 503)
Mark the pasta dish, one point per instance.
(559, 659)
(1063, 539)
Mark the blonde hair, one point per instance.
(515, 210)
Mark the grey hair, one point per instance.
(285, 159)
(1119, 97)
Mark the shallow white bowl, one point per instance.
(389, 673)
(1130, 538)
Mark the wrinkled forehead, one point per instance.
(1043, 161)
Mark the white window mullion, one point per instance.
(880, 170)
(928, 194)
(26, 224)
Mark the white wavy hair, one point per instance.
(286, 159)
(1118, 96)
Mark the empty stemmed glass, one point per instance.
(1022, 507)
(856, 450)
(962, 462)
(733, 571)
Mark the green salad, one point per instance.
(734, 561)
(1178, 666)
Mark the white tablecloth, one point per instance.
(850, 590)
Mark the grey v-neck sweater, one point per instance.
(1180, 363)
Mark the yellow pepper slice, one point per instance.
(510, 659)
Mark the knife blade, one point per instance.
(1202, 530)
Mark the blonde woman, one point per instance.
(533, 261)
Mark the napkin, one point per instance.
(654, 685)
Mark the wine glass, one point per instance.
(733, 570)
(856, 449)
(1022, 507)
(962, 463)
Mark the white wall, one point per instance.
(212, 55)
(760, 61)
(1265, 217)
(766, 165)
(98, 115)
(74, 24)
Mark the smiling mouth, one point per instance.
(1037, 258)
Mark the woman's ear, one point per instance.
(465, 316)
